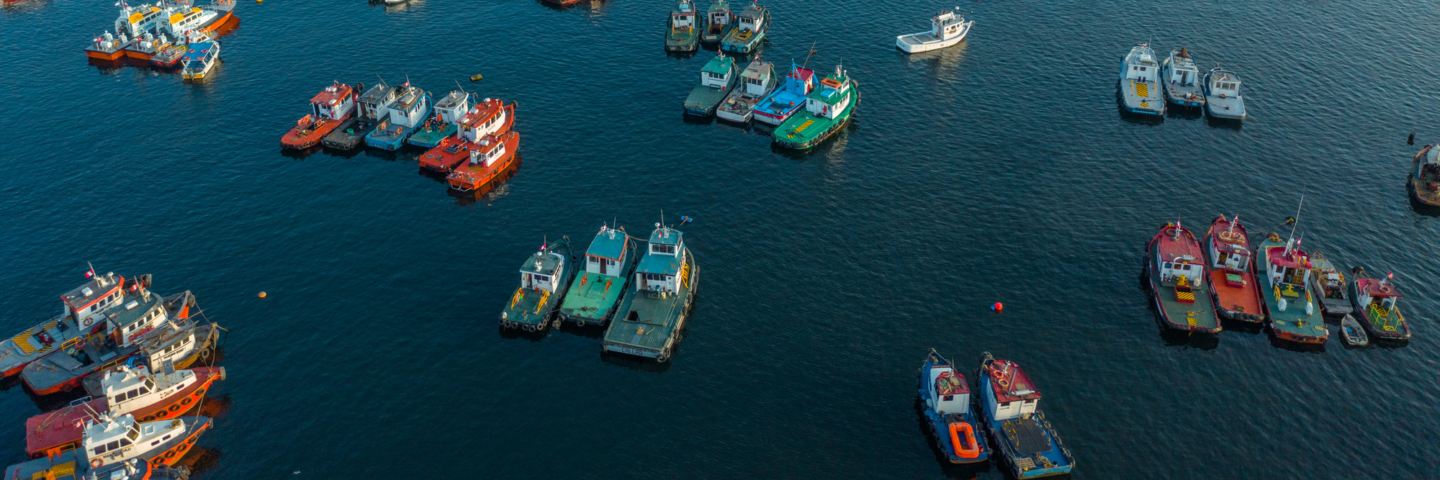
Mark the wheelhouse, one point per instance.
(751, 19)
(1182, 69)
(831, 97)
(662, 264)
(1224, 84)
(717, 71)
(1377, 297)
(541, 272)
(453, 106)
(949, 390)
(718, 16)
(487, 151)
(88, 300)
(1011, 393)
(1142, 66)
(376, 100)
(140, 20)
(334, 103)
(607, 252)
(483, 119)
(756, 76)
(1229, 251)
(112, 441)
(129, 322)
(683, 16)
(1289, 271)
(409, 109)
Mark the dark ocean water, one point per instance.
(999, 170)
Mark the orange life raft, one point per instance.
(970, 448)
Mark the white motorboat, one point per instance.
(1222, 95)
(946, 29)
(1140, 82)
(1182, 80)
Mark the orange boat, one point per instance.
(329, 110)
(488, 158)
(489, 117)
(1232, 283)
(107, 47)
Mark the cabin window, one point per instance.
(715, 75)
(154, 443)
(149, 384)
(133, 434)
(1030, 402)
(132, 394)
(144, 390)
(754, 81)
(115, 445)
(949, 397)
(120, 398)
(99, 449)
(542, 278)
(124, 443)
(164, 438)
(1005, 405)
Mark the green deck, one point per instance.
(657, 322)
(1293, 320)
(433, 137)
(804, 130)
(1197, 315)
(681, 40)
(705, 99)
(593, 296)
(534, 306)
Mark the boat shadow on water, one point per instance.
(1223, 123)
(833, 145)
(200, 460)
(299, 154)
(1283, 344)
(638, 364)
(589, 331)
(950, 470)
(490, 192)
(1184, 113)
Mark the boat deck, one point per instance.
(1292, 323)
(1240, 299)
(1032, 447)
(804, 130)
(429, 138)
(348, 135)
(593, 296)
(1185, 95)
(703, 99)
(1231, 108)
(647, 323)
(1142, 97)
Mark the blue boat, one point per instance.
(788, 98)
(402, 116)
(946, 394)
(750, 27)
(1010, 404)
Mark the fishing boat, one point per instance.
(654, 311)
(1284, 271)
(121, 391)
(199, 59)
(1010, 408)
(595, 293)
(1177, 281)
(681, 36)
(946, 29)
(107, 47)
(488, 158)
(756, 82)
(716, 79)
(544, 277)
(1223, 98)
(1139, 82)
(1352, 332)
(409, 109)
(788, 97)
(1374, 300)
(115, 440)
(1328, 285)
(1182, 80)
(372, 108)
(719, 20)
(750, 26)
(1425, 177)
(443, 124)
(1232, 283)
(80, 318)
(827, 109)
(946, 396)
(488, 118)
(329, 109)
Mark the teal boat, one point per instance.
(828, 108)
(596, 291)
(719, 20)
(654, 311)
(443, 124)
(543, 280)
(750, 27)
(682, 35)
(716, 79)
(1284, 271)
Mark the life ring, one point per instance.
(1003, 383)
(969, 449)
(205, 352)
(89, 321)
(174, 408)
(185, 401)
(199, 393)
(170, 454)
(96, 463)
(580, 323)
(161, 414)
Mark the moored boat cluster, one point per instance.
(140, 363)
(1144, 80)
(170, 34)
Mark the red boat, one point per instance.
(488, 158)
(328, 110)
(1177, 278)
(490, 117)
(123, 391)
(1232, 283)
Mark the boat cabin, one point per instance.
(831, 97)
(1377, 297)
(1011, 394)
(137, 21)
(183, 21)
(483, 119)
(85, 302)
(487, 151)
(949, 391)
(718, 16)
(800, 81)
(129, 322)
(129, 389)
(334, 103)
(683, 16)
(112, 439)
(751, 19)
(1224, 84)
(1427, 170)
(374, 102)
(1289, 271)
(1142, 65)
(606, 255)
(453, 106)
(199, 56)
(542, 271)
(947, 25)
(660, 267)
(717, 72)
(756, 77)
(1229, 251)
(1182, 69)
(410, 108)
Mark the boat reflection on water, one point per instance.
(491, 191)
(942, 62)
(199, 460)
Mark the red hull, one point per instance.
(215, 25)
(174, 454)
(55, 432)
(467, 177)
(138, 55)
(449, 154)
(295, 140)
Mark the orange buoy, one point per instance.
(997, 307)
(262, 294)
(970, 448)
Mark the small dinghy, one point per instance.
(946, 29)
(1425, 177)
(199, 60)
(1353, 333)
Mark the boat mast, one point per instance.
(1291, 242)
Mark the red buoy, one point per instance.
(997, 307)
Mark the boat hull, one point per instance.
(789, 134)
(1419, 188)
(105, 55)
(926, 41)
(432, 138)
(1291, 324)
(51, 433)
(1199, 314)
(1239, 303)
(939, 424)
(1023, 466)
(299, 139)
(531, 310)
(343, 139)
(702, 99)
(388, 141)
(626, 337)
(1380, 329)
(17, 355)
(466, 178)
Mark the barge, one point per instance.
(653, 313)
(750, 26)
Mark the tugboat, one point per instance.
(756, 82)
(595, 293)
(1425, 177)
(1352, 332)
(543, 280)
(788, 98)
(749, 31)
(329, 109)
(447, 112)
(681, 36)
(1286, 271)
(1177, 279)
(946, 29)
(200, 58)
(406, 113)
(490, 156)
(115, 440)
(122, 391)
(1139, 82)
(1182, 80)
(1222, 95)
(718, 22)
(80, 318)
(827, 110)
(946, 395)
(1374, 300)
(717, 78)
(107, 48)
(1232, 284)
(652, 313)
(1328, 284)
(489, 117)
(1011, 412)
(372, 108)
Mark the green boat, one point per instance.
(447, 113)
(719, 20)
(543, 280)
(828, 108)
(1374, 299)
(682, 35)
(716, 79)
(1291, 309)
(596, 291)
(654, 311)
(750, 27)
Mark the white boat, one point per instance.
(1140, 82)
(1182, 80)
(1222, 95)
(200, 58)
(946, 29)
(757, 81)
